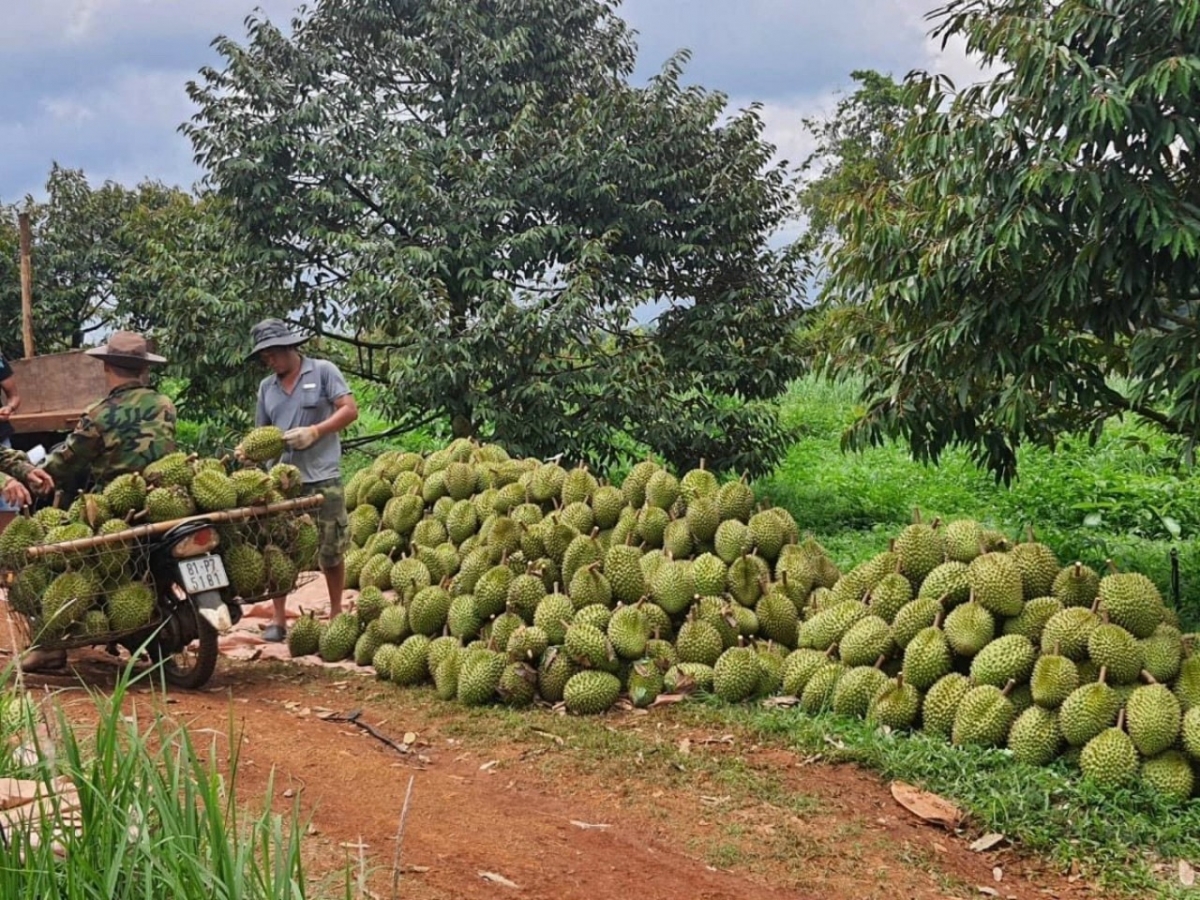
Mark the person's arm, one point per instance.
(12, 397)
(81, 448)
(345, 411)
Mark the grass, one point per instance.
(1125, 499)
(157, 818)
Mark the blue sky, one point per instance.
(100, 84)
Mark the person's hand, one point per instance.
(40, 480)
(239, 453)
(6, 412)
(15, 493)
(301, 438)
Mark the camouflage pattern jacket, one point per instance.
(126, 431)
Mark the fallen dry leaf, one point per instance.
(685, 746)
(488, 766)
(498, 879)
(1187, 875)
(587, 825)
(987, 842)
(926, 806)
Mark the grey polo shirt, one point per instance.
(311, 401)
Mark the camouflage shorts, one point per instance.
(332, 523)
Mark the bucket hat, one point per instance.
(128, 349)
(273, 333)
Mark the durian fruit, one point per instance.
(921, 548)
(94, 623)
(130, 606)
(25, 591)
(855, 689)
(125, 494)
(1037, 565)
(213, 491)
(940, 704)
(1076, 585)
(1170, 774)
(996, 583)
(285, 478)
(263, 443)
(1035, 737)
(280, 571)
(479, 676)
(736, 674)
(164, 504)
(90, 509)
(1087, 711)
(21, 533)
(337, 641)
(1132, 601)
(591, 692)
(1007, 658)
(984, 715)
(1053, 679)
(897, 704)
(65, 601)
(251, 486)
(172, 469)
(645, 683)
(1153, 718)
(304, 638)
(1110, 758)
(247, 569)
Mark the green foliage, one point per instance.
(81, 246)
(1037, 236)
(144, 786)
(477, 205)
(1125, 498)
(1046, 809)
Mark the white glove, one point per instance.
(301, 438)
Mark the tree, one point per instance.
(79, 249)
(508, 234)
(1033, 259)
(854, 148)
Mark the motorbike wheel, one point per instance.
(189, 665)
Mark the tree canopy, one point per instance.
(1029, 267)
(478, 205)
(81, 246)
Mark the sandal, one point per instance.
(274, 633)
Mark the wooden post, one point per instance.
(26, 284)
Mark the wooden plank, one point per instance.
(52, 420)
(56, 389)
(155, 528)
(26, 283)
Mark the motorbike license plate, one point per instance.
(203, 573)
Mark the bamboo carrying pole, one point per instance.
(216, 518)
(26, 284)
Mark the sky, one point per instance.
(100, 84)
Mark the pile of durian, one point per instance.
(519, 581)
(87, 593)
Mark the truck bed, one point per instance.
(55, 390)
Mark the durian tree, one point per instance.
(477, 204)
(1029, 266)
(81, 247)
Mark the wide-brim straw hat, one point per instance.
(273, 333)
(127, 349)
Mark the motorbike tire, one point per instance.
(196, 668)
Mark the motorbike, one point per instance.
(193, 602)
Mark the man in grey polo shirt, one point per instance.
(310, 400)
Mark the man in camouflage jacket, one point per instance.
(130, 428)
(133, 426)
